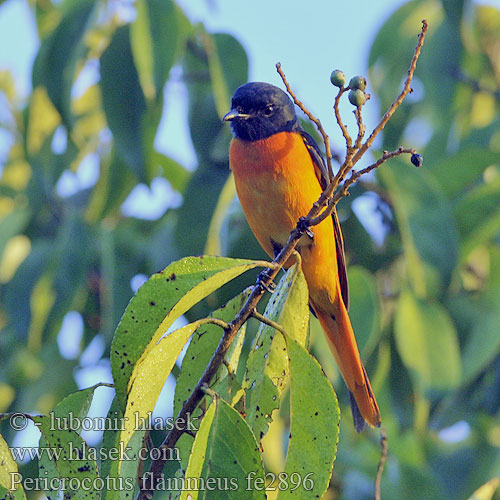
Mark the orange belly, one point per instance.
(277, 184)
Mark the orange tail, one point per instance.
(343, 344)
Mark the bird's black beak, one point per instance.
(234, 114)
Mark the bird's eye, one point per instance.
(239, 109)
(268, 110)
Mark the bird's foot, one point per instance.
(304, 225)
(262, 278)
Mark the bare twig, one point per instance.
(316, 121)
(340, 123)
(361, 127)
(269, 322)
(216, 321)
(383, 457)
(395, 105)
(358, 173)
(344, 190)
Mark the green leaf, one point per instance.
(149, 376)
(314, 427)
(160, 301)
(129, 467)
(201, 348)
(59, 54)
(364, 309)
(62, 426)
(478, 216)
(71, 456)
(115, 183)
(18, 494)
(220, 88)
(425, 222)
(455, 173)
(70, 259)
(111, 441)
(123, 473)
(16, 298)
(427, 342)
(200, 201)
(156, 39)
(225, 458)
(219, 65)
(267, 365)
(483, 342)
(173, 171)
(124, 102)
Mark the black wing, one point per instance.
(322, 174)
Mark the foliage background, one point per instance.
(425, 304)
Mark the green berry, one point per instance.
(357, 97)
(358, 82)
(337, 78)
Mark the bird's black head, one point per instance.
(259, 110)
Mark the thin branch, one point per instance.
(344, 190)
(269, 322)
(210, 392)
(316, 121)
(340, 123)
(361, 127)
(215, 321)
(358, 173)
(383, 457)
(395, 105)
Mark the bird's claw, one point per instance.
(262, 278)
(304, 226)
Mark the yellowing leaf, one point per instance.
(43, 119)
(225, 450)
(16, 250)
(149, 376)
(487, 490)
(8, 467)
(88, 101)
(142, 49)
(213, 246)
(483, 109)
(41, 302)
(7, 395)
(16, 175)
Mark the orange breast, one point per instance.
(276, 183)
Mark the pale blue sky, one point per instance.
(309, 39)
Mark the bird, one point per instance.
(279, 173)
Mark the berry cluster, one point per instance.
(357, 86)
